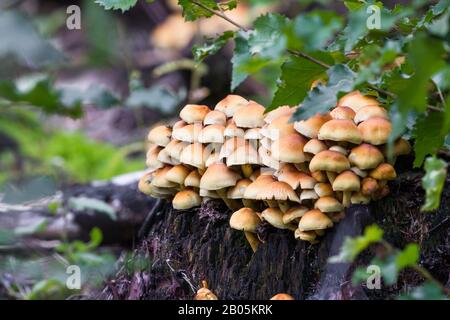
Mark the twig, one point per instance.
(219, 14)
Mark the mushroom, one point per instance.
(365, 156)
(160, 178)
(231, 130)
(347, 182)
(186, 199)
(314, 146)
(194, 113)
(218, 177)
(309, 236)
(340, 130)
(289, 149)
(230, 104)
(160, 135)
(369, 186)
(289, 174)
(266, 158)
(192, 179)
(375, 130)
(213, 133)
(213, 158)
(282, 296)
(356, 101)
(294, 214)
(330, 161)
(359, 172)
(314, 220)
(274, 216)
(281, 192)
(266, 143)
(244, 156)
(178, 174)
(368, 112)
(328, 204)
(188, 133)
(144, 184)
(230, 145)
(152, 158)
(238, 191)
(252, 116)
(277, 113)
(278, 128)
(308, 195)
(342, 113)
(257, 186)
(164, 157)
(204, 293)
(194, 155)
(383, 172)
(401, 147)
(247, 220)
(359, 198)
(339, 149)
(310, 127)
(174, 149)
(215, 117)
(319, 176)
(323, 189)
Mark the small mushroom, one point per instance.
(340, 130)
(215, 117)
(330, 161)
(369, 186)
(280, 192)
(375, 130)
(252, 116)
(238, 192)
(192, 179)
(178, 174)
(195, 155)
(231, 104)
(282, 296)
(309, 236)
(314, 146)
(277, 113)
(342, 113)
(194, 113)
(310, 127)
(244, 156)
(368, 112)
(356, 101)
(247, 220)
(274, 216)
(347, 182)
(323, 189)
(186, 199)
(314, 220)
(365, 156)
(204, 293)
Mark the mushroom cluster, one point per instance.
(298, 175)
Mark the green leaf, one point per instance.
(316, 28)
(427, 291)
(123, 5)
(47, 289)
(408, 257)
(40, 93)
(433, 182)
(211, 46)
(240, 57)
(425, 56)
(351, 248)
(297, 75)
(323, 97)
(267, 39)
(83, 203)
(192, 11)
(428, 136)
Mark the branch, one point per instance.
(219, 14)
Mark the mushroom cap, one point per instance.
(314, 146)
(310, 127)
(308, 195)
(314, 220)
(359, 172)
(278, 190)
(340, 130)
(192, 179)
(230, 104)
(144, 184)
(328, 204)
(252, 116)
(356, 101)
(218, 176)
(231, 130)
(365, 156)
(320, 176)
(178, 124)
(289, 148)
(215, 117)
(152, 157)
(188, 133)
(265, 142)
(342, 113)
(205, 294)
(194, 155)
(266, 158)
(186, 199)
(159, 178)
(384, 171)
(160, 135)
(164, 157)
(294, 213)
(368, 112)
(279, 128)
(230, 145)
(253, 134)
(257, 186)
(209, 194)
(277, 113)
(175, 147)
(289, 174)
(238, 191)
(323, 189)
(305, 235)
(245, 154)
(375, 130)
(359, 198)
(401, 147)
(347, 181)
(274, 216)
(177, 174)
(329, 161)
(369, 186)
(213, 133)
(339, 149)
(282, 296)
(213, 158)
(193, 113)
(245, 219)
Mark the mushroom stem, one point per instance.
(331, 176)
(320, 232)
(252, 240)
(247, 170)
(346, 198)
(231, 203)
(283, 205)
(301, 167)
(272, 203)
(249, 204)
